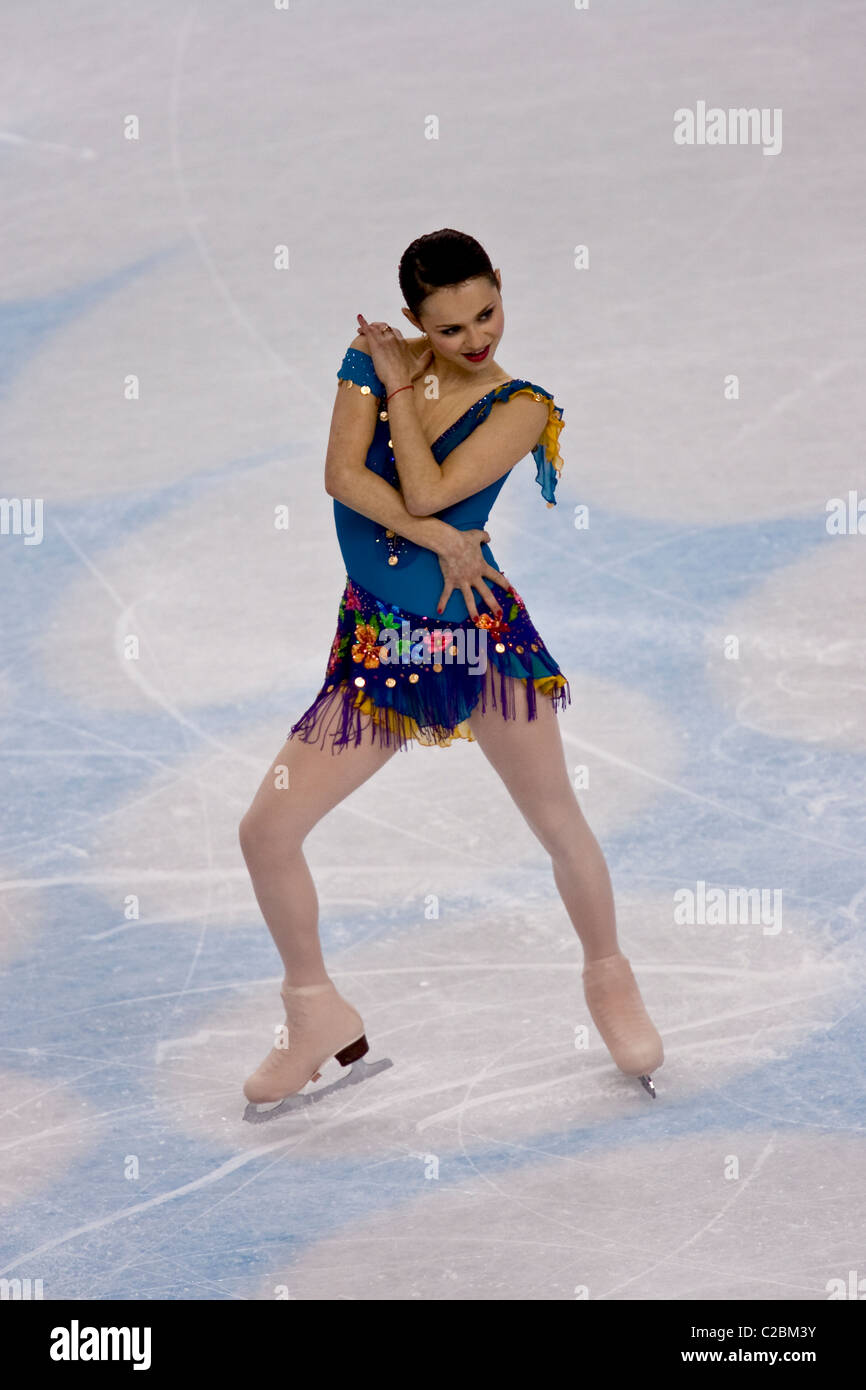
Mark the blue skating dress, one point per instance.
(398, 669)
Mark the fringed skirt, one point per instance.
(406, 676)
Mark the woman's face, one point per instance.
(465, 322)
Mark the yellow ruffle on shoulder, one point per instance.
(549, 440)
(407, 727)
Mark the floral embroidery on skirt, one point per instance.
(410, 677)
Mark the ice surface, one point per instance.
(497, 1158)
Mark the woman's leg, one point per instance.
(274, 828)
(530, 759)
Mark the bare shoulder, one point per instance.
(524, 413)
(360, 345)
(533, 407)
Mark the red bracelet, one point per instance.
(394, 393)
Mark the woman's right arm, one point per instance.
(350, 481)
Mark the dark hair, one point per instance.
(438, 259)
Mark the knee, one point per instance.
(262, 836)
(560, 828)
(248, 833)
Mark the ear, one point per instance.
(498, 273)
(412, 319)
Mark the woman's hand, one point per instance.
(465, 568)
(394, 363)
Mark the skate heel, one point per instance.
(347, 1055)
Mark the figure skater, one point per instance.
(416, 457)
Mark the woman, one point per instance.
(416, 458)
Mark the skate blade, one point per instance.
(359, 1071)
(647, 1083)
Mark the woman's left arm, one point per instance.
(491, 450)
(506, 436)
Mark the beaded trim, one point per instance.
(424, 695)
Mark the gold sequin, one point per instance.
(366, 390)
(392, 559)
(453, 651)
(359, 680)
(538, 396)
(383, 414)
(390, 443)
(330, 687)
(437, 666)
(414, 677)
(390, 533)
(519, 649)
(534, 647)
(390, 682)
(500, 646)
